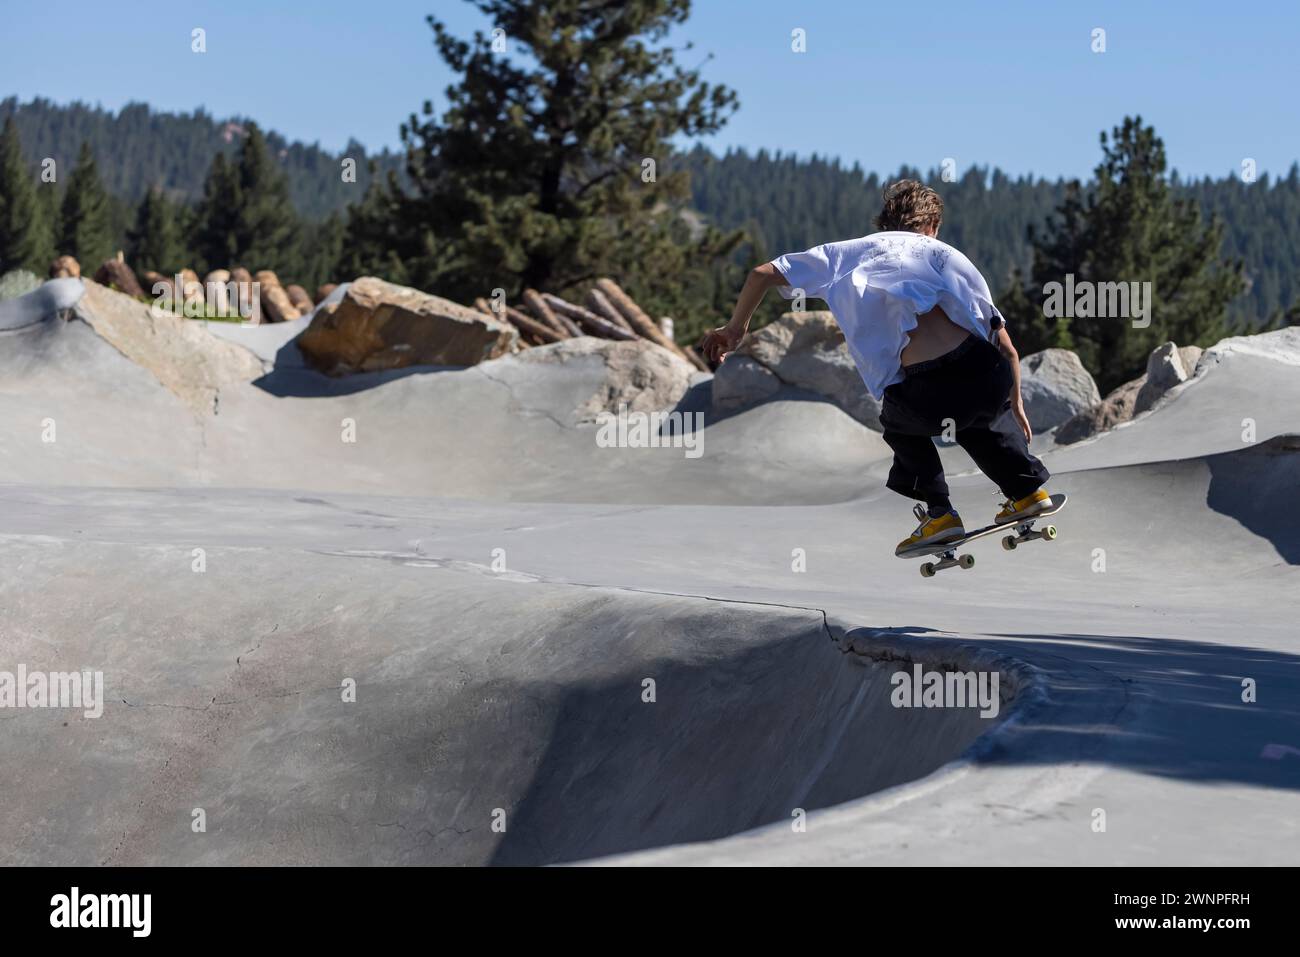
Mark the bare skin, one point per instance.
(935, 334)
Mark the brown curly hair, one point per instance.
(910, 207)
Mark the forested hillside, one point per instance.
(782, 202)
(137, 148)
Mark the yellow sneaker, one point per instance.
(932, 531)
(1026, 507)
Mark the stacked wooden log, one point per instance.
(116, 273)
(608, 313)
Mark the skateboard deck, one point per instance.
(1019, 532)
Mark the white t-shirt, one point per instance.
(877, 285)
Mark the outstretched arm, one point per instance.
(1003, 342)
(716, 344)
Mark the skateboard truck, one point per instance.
(1025, 533)
(947, 559)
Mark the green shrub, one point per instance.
(17, 283)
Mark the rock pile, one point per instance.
(1167, 366)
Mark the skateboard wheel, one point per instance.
(1049, 532)
(1009, 543)
(927, 569)
(967, 561)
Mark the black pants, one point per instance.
(969, 390)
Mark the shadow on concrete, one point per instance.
(729, 744)
(738, 745)
(1260, 487)
(292, 377)
(1183, 708)
(700, 398)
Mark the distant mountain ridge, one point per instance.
(138, 147)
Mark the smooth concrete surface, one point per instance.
(566, 653)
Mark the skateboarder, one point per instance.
(930, 345)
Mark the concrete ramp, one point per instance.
(580, 722)
(1243, 392)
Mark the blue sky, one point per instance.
(1008, 84)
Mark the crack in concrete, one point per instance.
(526, 410)
(250, 651)
(226, 702)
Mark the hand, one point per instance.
(1018, 410)
(717, 343)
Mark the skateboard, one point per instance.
(947, 551)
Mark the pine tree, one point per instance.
(266, 226)
(1128, 227)
(153, 242)
(47, 222)
(215, 228)
(245, 215)
(373, 242)
(84, 229)
(23, 229)
(553, 174)
(322, 246)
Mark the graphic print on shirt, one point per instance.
(891, 249)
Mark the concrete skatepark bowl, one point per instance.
(472, 636)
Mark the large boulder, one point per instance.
(378, 325)
(637, 374)
(741, 382)
(806, 350)
(1167, 366)
(1191, 356)
(1116, 408)
(1055, 387)
(180, 353)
